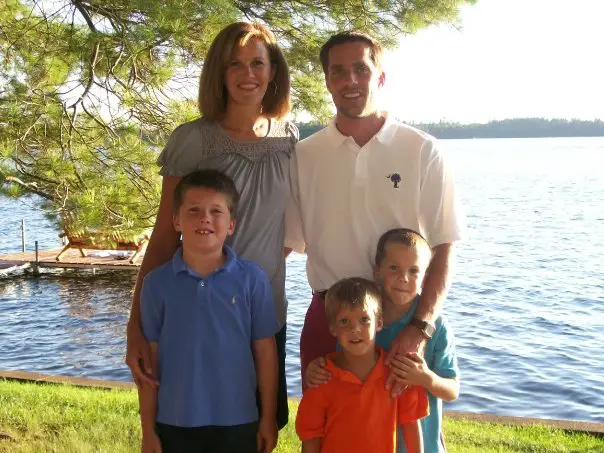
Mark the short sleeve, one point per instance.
(440, 212)
(413, 405)
(152, 311)
(444, 357)
(183, 150)
(312, 414)
(294, 232)
(264, 314)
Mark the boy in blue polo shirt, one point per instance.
(401, 261)
(210, 320)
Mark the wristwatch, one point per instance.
(425, 327)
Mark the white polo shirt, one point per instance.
(344, 197)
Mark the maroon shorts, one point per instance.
(315, 339)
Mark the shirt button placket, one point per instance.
(200, 290)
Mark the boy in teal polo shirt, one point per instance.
(401, 261)
(210, 319)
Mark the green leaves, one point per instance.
(90, 90)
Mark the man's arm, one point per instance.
(162, 245)
(436, 284)
(265, 359)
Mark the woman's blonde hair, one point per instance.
(212, 91)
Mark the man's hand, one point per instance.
(151, 443)
(266, 439)
(316, 374)
(409, 340)
(138, 357)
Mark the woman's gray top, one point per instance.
(260, 170)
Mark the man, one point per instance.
(364, 174)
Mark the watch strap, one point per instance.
(425, 327)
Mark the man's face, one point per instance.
(353, 79)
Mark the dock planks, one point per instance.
(71, 260)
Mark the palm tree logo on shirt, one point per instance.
(395, 178)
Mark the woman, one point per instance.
(244, 94)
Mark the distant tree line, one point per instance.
(517, 128)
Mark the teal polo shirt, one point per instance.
(204, 327)
(441, 359)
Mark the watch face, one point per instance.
(429, 328)
(424, 326)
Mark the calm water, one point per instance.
(527, 305)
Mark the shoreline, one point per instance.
(592, 428)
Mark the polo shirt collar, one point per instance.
(336, 138)
(179, 265)
(384, 135)
(345, 375)
(387, 131)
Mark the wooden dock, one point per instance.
(71, 260)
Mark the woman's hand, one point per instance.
(138, 357)
(316, 374)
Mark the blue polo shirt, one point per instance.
(204, 328)
(441, 358)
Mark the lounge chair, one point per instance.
(83, 241)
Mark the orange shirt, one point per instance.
(354, 416)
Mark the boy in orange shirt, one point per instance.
(354, 411)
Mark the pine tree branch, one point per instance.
(31, 187)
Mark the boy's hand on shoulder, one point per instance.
(410, 340)
(151, 443)
(267, 435)
(316, 373)
(410, 369)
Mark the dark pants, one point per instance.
(208, 439)
(282, 408)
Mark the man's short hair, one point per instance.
(405, 236)
(376, 49)
(207, 179)
(353, 292)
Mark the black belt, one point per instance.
(321, 294)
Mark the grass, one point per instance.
(61, 418)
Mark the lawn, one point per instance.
(62, 418)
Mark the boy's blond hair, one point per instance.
(353, 292)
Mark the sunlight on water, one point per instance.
(527, 304)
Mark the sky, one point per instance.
(512, 58)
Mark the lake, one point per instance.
(527, 305)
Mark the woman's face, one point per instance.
(248, 73)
